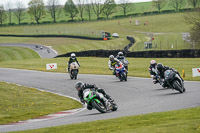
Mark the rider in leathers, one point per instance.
(153, 71)
(122, 58)
(112, 62)
(161, 70)
(80, 86)
(72, 59)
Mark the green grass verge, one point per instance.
(179, 121)
(16, 53)
(138, 67)
(19, 103)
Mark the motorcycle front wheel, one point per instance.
(178, 86)
(99, 106)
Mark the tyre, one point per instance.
(114, 107)
(178, 86)
(99, 106)
(124, 76)
(75, 74)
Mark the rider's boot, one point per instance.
(109, 98)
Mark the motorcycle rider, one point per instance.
(161, 70)
(72, 59)
(153, 71)
(80, 87)
(112, 62)
(122, 58)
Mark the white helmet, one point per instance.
(111, 57)
(153, 63)
(120, 54)
(73, 56)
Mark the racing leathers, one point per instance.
(111, 64)
(95, 88)
(161, 74)
(123, 60)
(153, 73)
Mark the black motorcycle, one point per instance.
(174, 81)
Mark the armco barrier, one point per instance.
(187, 53)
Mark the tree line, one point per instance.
(37, 8)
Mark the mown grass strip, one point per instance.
(19, 103)
(179, 121)
(16, 53)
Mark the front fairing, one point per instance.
(169, 75)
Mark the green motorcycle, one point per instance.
(96, 100)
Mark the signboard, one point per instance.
(195, 72)
(137, 22)
(51, 66)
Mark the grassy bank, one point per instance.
(180, 121)
(138, 67)
(172, 24)
(21, 103)
(17, 53)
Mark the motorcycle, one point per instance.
(121, 72)
(73, 70)
(174, 81)
(125, 63)
(90, 97)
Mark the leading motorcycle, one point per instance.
(174, 81)
(97, 102)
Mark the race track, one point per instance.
(43, 51)
(136, 96)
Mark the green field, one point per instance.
(16, 53)
(134, 8)
(170, 24)
(21, 103)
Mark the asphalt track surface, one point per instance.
(136, 96)
(43, 51)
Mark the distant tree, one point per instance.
(109, 7)
(71, 9)
(3, 15)
(88, 8)
(19, 12)
(97, 6)
(126, 6)
(9, 8)
(194, 19)
(177, 4)
(81, 7)
(36, 9)
(194, 3)
(54, 9)
(159, 4)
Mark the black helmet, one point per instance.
(79, 85)
(160, 66)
